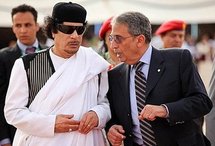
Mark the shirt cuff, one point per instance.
(167, 110)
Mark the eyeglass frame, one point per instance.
(118, 38)
(74, 28)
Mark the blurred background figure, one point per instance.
(210, 118)
(172, 33)
(213, 45)
(204, 48)
(25, 28)
(190, 44)
(106, 50)
(204, 59)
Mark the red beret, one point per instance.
(104, 28)
(171, 25)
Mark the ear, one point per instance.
(37, 27)
(53, 35)
(13, 29)
(141, 40)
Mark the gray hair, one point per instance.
(137, 24)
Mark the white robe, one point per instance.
(72, 89)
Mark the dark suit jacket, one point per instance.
(7, 58)
(172, 80)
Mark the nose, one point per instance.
(114, 47)
(74, 34)
(178, 38)
(113, 44)
(23, 29)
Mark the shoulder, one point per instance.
(4, 49)
(175, 53)
(119, 68)
(38, 56)
(87, 49)
(8, 50)
(42, 51)
(32, 56)
(9, 54)
(170, 50)
(89, 53)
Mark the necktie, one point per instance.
(140, 88)
(30, 50)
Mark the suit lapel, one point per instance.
(156, 69)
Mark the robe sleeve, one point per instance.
(102, 109)
(16, 112)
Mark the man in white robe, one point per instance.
(58, 96)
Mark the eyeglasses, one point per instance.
(70, 29)
(118, 39)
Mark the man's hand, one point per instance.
(115, 135)
(65, 123)
(150, 112)
(88, 122)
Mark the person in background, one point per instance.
(25, 28)
(107, 52)
(154, 95)
(210, 118)
(204, 48)
(60, 95)
(190, 44)
(172, 33)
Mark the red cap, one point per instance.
(104, 28)
(171, 25)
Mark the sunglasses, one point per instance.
(70, 29)
(118, 39)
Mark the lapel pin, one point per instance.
(158, 70)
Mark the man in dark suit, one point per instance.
(174, 96)
(25, 27)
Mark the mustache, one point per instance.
(74, 42)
